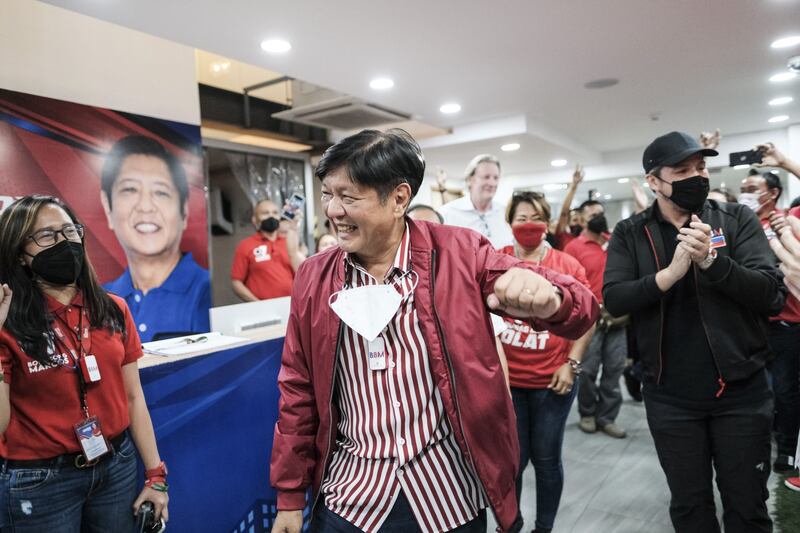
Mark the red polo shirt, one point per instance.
(592, 257)
(534, 356)
(45, 402)
(263, 266)
(791, 309)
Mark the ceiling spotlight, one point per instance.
(783, 76)
(607, 197)
(450, 108)
(510, 147)
(779, 118)
(558, 162)
(786, 42)
(554, 186)
(740, 167)
(782, 100)
(381, 84)
(276, 46)
(623, 180)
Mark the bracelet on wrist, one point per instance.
(576, 366)
(160, 486)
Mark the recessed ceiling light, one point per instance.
(781, 100)
(608, 197)
(381, 84)
(623, 180)
(554, 186)
(510, 147)
(602, 83)
(779, 118)
(786, 42)
(450, 108)
(276, 46)
(558, 162)
(783, 76)
(740, 167)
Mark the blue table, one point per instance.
(214, 417)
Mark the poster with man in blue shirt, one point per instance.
(144, 193)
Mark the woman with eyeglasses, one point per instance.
(71, 404)
(543, 368)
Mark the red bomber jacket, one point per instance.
(457, 269)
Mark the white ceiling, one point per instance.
(698, 64)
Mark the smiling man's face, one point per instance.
(144, 209)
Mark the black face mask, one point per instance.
(598, 224)
(268, 225)
(61, 264)
(575, 230)
(690, 194)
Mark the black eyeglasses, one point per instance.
(48, 237)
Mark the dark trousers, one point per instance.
(608, 349)
(400, 520)
(541, 417)
(784, 373)
(736, 442)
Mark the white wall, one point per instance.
(52, 52)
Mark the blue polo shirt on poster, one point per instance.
(179, 305)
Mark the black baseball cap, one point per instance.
(672, 148)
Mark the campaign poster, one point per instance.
(137, 185)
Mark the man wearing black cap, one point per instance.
(699, 281)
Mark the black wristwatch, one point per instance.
(576, 366)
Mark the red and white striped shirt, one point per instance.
(393, 433)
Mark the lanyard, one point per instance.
(83, 344)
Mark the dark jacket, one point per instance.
(736, 293)
(457, 270)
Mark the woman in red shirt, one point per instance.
(542, 367)
(71, 403)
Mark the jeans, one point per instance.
(609, 349)
(736, 441)
(541, 417)
(400, 520)
(65, 499)
(784, 372)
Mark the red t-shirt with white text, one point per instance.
(534, 356)
(45, 402)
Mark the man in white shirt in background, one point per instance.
(478, 210)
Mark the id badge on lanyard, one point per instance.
(88, 431)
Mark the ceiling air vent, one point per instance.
(343, 113)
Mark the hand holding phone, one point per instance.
(748, 157)
(293, 207)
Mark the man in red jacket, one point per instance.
(394, 409)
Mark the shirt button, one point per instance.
(391, 364)
(137, 297)
(142, 327)
(401, 441)
(397, 404)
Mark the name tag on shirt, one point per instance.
(91, 372)
(91, 438)
(377, 354)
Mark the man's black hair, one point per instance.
(376, 159)
(589, 203)
(773, 182)
(141, 145)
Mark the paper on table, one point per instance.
(190, 344)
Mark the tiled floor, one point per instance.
(611, 485)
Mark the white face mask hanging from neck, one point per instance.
(367, 310)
